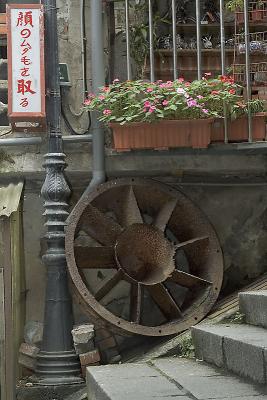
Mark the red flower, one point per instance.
(215, 92)
(232, 91)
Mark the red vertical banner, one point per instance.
(26, 76)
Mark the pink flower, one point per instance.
(152, 109)
(205, 111)
(165, 102)
(192, 103)
(149, 90)
(147, 104)
(181, 80)
(107, 112)
(106, 89)
(215, 92)
(187, 84)
(91, 95)
(116, 80)
(101, 97)
(87, 102)
(181, 91)
(200, 97)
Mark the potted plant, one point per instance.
(257, 11)
(147, 115)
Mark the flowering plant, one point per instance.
(141, 101)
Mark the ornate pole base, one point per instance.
(58, 368)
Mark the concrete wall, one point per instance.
(230, 188)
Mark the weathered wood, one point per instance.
(9, 369)
(18, 284)
(2, 336)
(12, 300)
(3, 27)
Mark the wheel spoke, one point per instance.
(100, 227)
(187, 280)
(108, 286)
(128, 211)
(164, 215)
(136, 303)
(202, 240)
(165, 301)
(94, 257)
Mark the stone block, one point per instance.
(208, 346)
(27, 356)
(245, 359)
(89, 358)
(83, 333)
(83, 338)
(108, 343)
(102, 333)
(27, 362)
(33, 332)
(243, 348)
(254, 306)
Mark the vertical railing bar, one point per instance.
(151, 37)
(199, 42)
(248, 78)
(128, 50)
(174, 40)
(223, 65)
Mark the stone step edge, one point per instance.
(241, 349)
(253, 305)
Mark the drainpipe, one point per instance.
(98, 80)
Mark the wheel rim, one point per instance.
(142, 230)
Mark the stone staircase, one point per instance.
(3, 73)
(240, 348)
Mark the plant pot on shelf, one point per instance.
(256, 15)
(162, 135)
(239, 16)
(238, 129)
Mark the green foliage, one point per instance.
(139, 101)
(186, 347)
(235, 5)
(237, 318)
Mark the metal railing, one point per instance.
(244, 73)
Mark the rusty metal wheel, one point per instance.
(152, 245)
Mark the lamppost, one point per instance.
(57, 363)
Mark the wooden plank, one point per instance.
(3, 26)
(9, 338)
(2, 337)
(3, 18)
(18, 284)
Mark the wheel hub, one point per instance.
(144, 255)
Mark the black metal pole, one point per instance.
(57, 363)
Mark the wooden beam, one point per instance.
(3, 26)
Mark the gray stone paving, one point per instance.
(170, 378)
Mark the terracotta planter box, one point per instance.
(238, 129)
(239, 15)
(256, 15)
(162, 135)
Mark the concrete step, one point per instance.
(169, 378)
(254, 306)
(239, 348)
